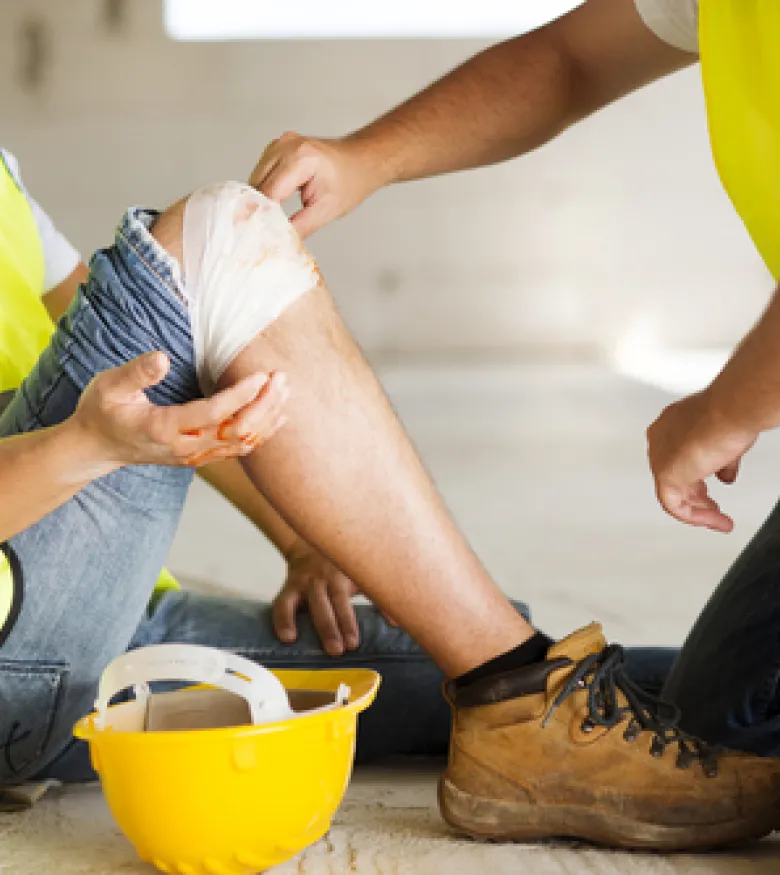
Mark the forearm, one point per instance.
(519, 94)
(41, 470)
(747, 391)
(231, 481)
(502, 103)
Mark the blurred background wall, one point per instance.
(617, 235)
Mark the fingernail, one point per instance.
(352, 643)
(150, 364)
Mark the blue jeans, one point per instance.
(87, 570)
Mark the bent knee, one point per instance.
(243, 265)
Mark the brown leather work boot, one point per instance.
(570, 747)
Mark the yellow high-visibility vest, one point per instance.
(741, 74)
(25, 330)
(25, 326)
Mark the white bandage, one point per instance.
(244, 264)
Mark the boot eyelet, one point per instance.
(587, 726)
(656, 750)
(630, 735)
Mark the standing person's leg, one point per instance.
(726, 680)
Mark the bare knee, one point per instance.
(242, 264)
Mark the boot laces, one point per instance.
(603, 675)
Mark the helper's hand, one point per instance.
(126, 428)
(332, 176)
(314, 582)
(688, 443)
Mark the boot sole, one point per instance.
(495, 820)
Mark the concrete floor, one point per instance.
(544, 468)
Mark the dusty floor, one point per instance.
(388, 825)
(544, 468)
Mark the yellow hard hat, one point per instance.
(231, 776)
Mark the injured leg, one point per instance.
(342, 472)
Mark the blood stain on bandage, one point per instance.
(245, 265)
(245, 211)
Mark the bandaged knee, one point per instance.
(244, 265)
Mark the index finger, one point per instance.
(287, 176)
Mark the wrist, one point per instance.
(374, 147)
(296, 549)
(89, 454)
(726, 415)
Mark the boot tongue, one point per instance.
(579, 644)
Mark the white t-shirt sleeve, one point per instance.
(674, 21)
(60, 257)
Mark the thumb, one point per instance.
(137, 375)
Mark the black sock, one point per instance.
(533, 650)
